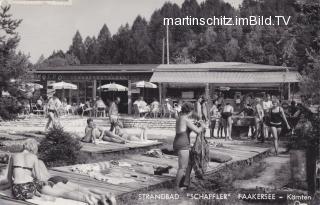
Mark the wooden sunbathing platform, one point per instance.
(242, 155)
(116, 148)
(95, 149)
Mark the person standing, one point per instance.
(226, 116)
(53, 105)
(181, 143)
(198, 108)
(258, 118)
(277, 116)
(266, 105)
(214, 113)
(114, 113)
(204, 110)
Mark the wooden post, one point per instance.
(129, 98)
(94, 89)
(207, 91)
(160, 93)
(70, 101)
(168, 50)
(289, 91)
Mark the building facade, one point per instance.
(175, 81)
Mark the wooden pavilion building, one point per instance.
(175, 81)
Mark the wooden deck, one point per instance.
(145, 180)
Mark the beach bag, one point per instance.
(199, 155)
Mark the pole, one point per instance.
(163, 47)
(168, 57)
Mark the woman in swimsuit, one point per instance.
(22, 168)
(28, 177)
(181, 143)
(226, 116)
(277, 116)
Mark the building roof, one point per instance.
(222, 66)
(210, 66)
(226, 77)
(111, 68)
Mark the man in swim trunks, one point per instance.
(226, 116)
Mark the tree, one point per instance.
(140, 46)
(92, 50)
(12, 65)
(77, 48)
(121, 45)
(105, 43)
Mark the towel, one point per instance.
(39, 201)
(219, 157)
(142, 142)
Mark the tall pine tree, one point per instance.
(77, 48)
(105, 43)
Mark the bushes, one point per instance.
(9, 108)
(59, 148)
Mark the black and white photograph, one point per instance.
(159, 102)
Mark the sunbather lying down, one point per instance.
(27, 176)
(92, 133)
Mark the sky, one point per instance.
(51, 27)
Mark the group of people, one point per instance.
(270, 117)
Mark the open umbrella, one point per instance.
(35, 86)
(145, 84)
(63, 85)
(112, 87)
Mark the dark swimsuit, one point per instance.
(25, 190)
(275, 119)
(226, 115)
(182, 141)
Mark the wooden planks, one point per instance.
(115, 147)
(237, 152)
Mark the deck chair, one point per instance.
(101, 111)
(36, 110)
(86, 110)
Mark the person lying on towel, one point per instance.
(94, 133)
(123, 134)
(27, 176)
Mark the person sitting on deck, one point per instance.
(27, 176)
(100, 106)
(155, 107)
(142, 106)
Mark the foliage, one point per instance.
(77, 48)
(58, 58)
(12, 65)
(9, 108)
(274, 45)
(60, 148)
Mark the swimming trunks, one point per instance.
(226, 115)
(26, 190)
(181, 141)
